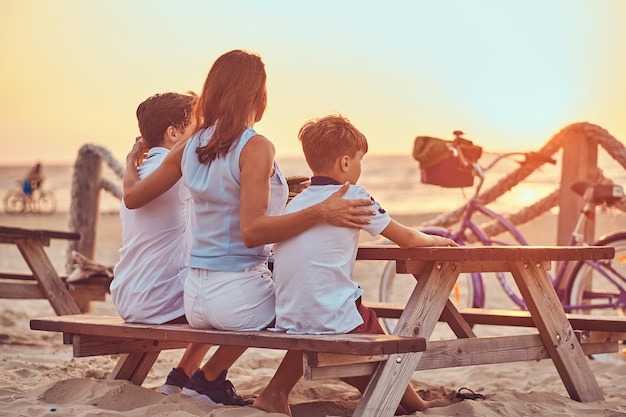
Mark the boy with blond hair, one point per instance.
(314, 291)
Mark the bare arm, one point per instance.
(256, 164)
(138, 193)
(407, 237)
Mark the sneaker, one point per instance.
(218, 392)
(175, 382)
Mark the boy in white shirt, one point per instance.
(314, 291)
(156, 242)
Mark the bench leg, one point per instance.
(134, 367)
(422, 312)
(49, 282)
(556, 332)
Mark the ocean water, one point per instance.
(393, 180)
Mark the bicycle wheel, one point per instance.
(396, 288)
(13, 202)
(46, 203)
(599, 287)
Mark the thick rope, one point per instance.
(596, 133)
(107, 157)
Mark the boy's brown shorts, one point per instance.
(370, 320)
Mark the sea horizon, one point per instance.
(394, 180)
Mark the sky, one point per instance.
(510, 74)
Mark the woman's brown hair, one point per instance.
(233, 97)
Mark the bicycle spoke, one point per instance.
(600, 287)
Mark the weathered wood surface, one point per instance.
(115, 328)
(580, 163)
(84, 206)
(10, 234)
(495, 254)
(557, 333)
(437, 269)
(453, 353)
(511, 317)
(49, 282)
(45, 282)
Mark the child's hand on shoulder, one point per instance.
(137, 154)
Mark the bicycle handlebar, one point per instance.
(528, 157)
(479, 170)
(539, 157)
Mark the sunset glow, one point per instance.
(509, 74)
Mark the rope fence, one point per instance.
(87, 183)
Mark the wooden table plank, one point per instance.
(485, 253)
(10, 233)
(453, 353)
(115, 328)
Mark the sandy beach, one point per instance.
(39, 377)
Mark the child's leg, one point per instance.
(275, 397)
(411, 401)
(192, 358)
(221, 360)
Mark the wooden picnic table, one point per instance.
(393, 359)
(45, 282)
(436, 270)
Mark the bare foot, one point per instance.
(433, 395)
(271, 406)
(446, 399)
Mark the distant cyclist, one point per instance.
(31, 183)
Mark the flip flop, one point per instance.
(470, 395)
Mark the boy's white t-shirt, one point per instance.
(314, 291)
(154, 257)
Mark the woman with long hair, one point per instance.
(239, 194)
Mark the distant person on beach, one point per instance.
(314, 291)
(239, 194)
(32, 182)
(156, 239)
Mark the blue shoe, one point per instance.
(175, 382)
(218, 392)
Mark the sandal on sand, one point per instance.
(470, 395)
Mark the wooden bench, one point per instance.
(141, 344)
(45, 282)
(596, 334)
(512, 317)
(392, 365)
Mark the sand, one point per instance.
(39, 377)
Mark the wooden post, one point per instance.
(579, 163)
(85, 202)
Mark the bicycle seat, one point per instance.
(608, 194)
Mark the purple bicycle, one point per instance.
(590, 287)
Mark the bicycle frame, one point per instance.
(460, 236)
(468, 227)
(605, 269)
(575, 287)
(15, 201)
